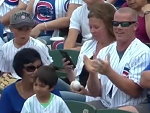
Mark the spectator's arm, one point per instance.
(58, 23)
(94, 88)
(145, 79)
(74, 29)
(134, 75)
(147, 19)
(30, 6)
(121, 82)
(104, 68)
(70, 41)
(6, 17)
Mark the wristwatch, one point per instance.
(146, 12)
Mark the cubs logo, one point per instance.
(44, 11)
(58, 44)
(66, 5)
(126, 72)
(12, 2)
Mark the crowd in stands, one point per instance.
(113, 66)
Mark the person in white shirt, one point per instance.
(7, 8)
(52, 16)
(21, 24)
(102, 31)
(79, 23)
(117, 70)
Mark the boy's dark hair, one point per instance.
(47, 75)
(24, 56)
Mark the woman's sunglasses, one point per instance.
(31, 68)
(122, 24)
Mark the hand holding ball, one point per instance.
(75, 85)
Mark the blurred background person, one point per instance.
(143, 28)
(7, 8)
(51, 16)
(117, 3)
(80, 24)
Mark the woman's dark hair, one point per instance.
(24, 56)
(105, 12)
(47, 75)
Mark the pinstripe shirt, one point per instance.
(134, 60)
(5, 7)
(9, 50)
(56, 105)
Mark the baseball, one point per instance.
(75, 85)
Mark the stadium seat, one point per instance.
(148, 44)
(57, 57)
(79, 107)
(57, 61)
(111, 111)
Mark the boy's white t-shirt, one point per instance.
(56, 105)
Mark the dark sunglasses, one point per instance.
(31, 68)
(122, 24)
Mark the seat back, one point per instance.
(79, 107)
(57, 61)
(111, 111)
(57, 57)
(148, 44)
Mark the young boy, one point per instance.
(21, 24)
(43, 101)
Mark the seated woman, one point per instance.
(102, 31)
(25, 63)
(51, 16)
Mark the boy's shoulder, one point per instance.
(37, 43)
(8, 45)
